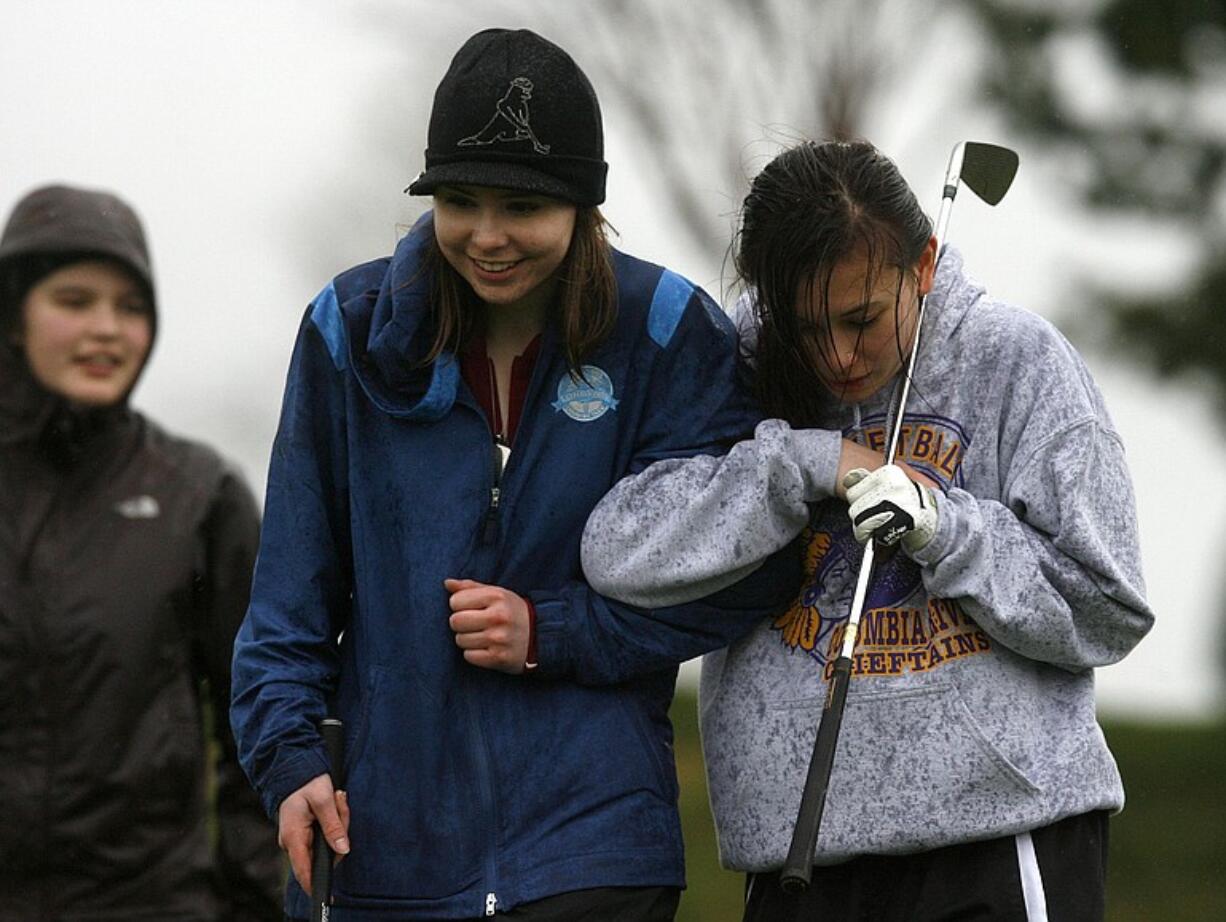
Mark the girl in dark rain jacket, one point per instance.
(507, 737)
(125, 558)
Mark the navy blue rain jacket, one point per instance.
(473, 791)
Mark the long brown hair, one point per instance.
(809, 208)
(584, 311)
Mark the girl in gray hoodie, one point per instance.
(971, 779)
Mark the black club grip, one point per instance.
(333, 733)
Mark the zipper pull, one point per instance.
(502, 454)
(491, 903)
(491, 516)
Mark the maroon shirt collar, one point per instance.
(477, 369)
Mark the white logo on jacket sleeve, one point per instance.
(585, 398)
(139, 507)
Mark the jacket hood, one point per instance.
(62, 222)
(51, 227)
(953, 296)
(385, 307)
(951, 304)
(25, 407)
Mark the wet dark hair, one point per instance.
(585, 309)
(809, 208)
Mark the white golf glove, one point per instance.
(888, 505)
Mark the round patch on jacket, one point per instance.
(585, 398)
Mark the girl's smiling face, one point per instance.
(86, 331)
(507, 245)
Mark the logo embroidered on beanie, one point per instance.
(510, 121)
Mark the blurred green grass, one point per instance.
(1168, 847)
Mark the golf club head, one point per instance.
(988, 169)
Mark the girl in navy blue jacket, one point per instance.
(452, 415)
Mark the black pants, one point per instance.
(603, 904)
(1056, 873)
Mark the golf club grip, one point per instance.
(799, 865)
(321, 852)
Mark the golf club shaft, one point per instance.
(321, 853)
(947, 205)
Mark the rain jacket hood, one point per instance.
(52, 227)
(390, 339)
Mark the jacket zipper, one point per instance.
(502, 451)
(500, 455)
(499, 458)
(486, 793)
(32, 633)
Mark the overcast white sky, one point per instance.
(233, 129)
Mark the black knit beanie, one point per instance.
(514, 111)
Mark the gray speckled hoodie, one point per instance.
(971, 708)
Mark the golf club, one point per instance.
(988, 171)
(321, 852)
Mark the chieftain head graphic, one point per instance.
(803, 626)
(824, 602)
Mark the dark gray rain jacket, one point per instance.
(125, 565)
